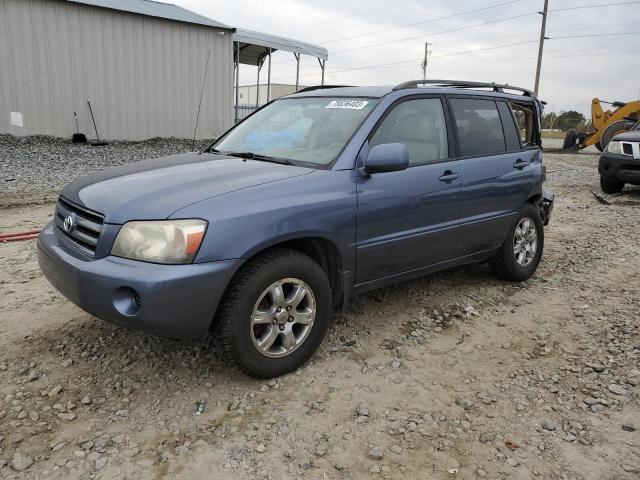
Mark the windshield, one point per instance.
(309, 130)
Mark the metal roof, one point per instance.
(253, 45)
(155, 9)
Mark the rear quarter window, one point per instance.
(478, 125)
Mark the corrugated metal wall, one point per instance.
(143, 75)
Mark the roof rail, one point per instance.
(321, 87)
(496, 87)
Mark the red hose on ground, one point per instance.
(14, 237)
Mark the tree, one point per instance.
(550, 120)
(568, 120)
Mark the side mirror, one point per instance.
(387, 157)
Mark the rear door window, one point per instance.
(420, 125)
(478, 125)
(511, 135)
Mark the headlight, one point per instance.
(170, 241)
(614, 147)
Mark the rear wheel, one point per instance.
(275, 313)
(610, 184)
(520, 254)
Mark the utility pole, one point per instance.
(425, 62)
(541, 47)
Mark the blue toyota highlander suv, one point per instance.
(315, 197)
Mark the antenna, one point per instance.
(200, 104)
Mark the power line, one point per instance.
(408, 25)
(466, 52)
(489, 22)
(581, 7)
(616, 34)
(413, 62)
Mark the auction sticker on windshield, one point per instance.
(348, 103)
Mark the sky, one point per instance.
(382, 42)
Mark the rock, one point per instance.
(596, 367)
(101, 463)
(549, 425)
(617, 389)
(512, 462)
(363, 411)
(118, 439)
(397, 449)
(66, 363)
(486, 437)
(87, 445)
(630, 468)
(67, 416)
(464, 403)
(21, 462)
(306, 463)
(322, 448)
(3, 367)
(102, 441)
(481, 473)
(628, 426)
(94, 456)
(376, 453)
(55, 391)
(85, 400)
(260, 448)
(33, 376)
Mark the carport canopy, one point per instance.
(253, 48)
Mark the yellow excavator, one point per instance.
(605, 124)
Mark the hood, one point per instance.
(631, 136)
(154, 189)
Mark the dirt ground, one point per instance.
(453, 376)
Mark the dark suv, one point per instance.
(620, 161)
(315, 197)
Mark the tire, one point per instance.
(610, 184)
(505, 265)
(613, 129)
(251, 295)
(598, 145)
(570, 139)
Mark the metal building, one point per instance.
(140, 63)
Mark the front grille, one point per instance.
(627, 148)
(86, 229)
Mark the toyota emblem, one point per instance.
(68, 223)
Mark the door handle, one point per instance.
(520, 163)
(449, 176)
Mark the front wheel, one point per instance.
(275, 313)
(610, 185)
(519, 256)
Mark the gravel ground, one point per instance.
(34, 169)
(453, 376)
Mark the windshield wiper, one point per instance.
(257, 156)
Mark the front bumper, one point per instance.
(621, 167)
(177, 301)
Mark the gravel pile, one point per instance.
(34, 169)
(452, 376)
